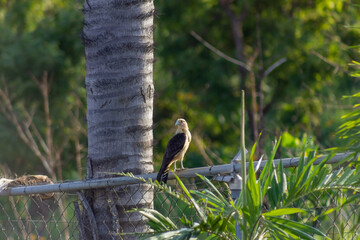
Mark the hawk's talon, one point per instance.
(179, 169)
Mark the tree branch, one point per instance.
(336, 66)
(24, 133)
(218, 52)
(200, 145)
(31, 124)
(274, 66)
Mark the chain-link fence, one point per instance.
(56, 215)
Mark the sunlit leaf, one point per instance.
(187, 193)
(283, 211)
(302, 230)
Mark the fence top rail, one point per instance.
(124, 180)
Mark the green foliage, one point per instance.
(191, 81)
(277, 204)
(39, 36)
(301, 96)
(350, 129)
(289, 141)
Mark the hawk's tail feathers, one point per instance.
(163, 175)
(163, 178)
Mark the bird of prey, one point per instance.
(175, 149)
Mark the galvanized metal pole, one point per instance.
(235, 187)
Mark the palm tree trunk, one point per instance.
(118, 38)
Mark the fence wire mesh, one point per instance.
(57, 215)
(34, 217)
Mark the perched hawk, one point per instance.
(175, 149)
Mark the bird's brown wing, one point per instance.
(174, 146)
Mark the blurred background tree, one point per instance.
(300, 96)
(39, 37)
(295, 57)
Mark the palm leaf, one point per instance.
(297, 228)
(157, 221)
(283, 211)
(194, 203)
(253, 187)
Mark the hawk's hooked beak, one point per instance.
(177, 123)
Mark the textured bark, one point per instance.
(118, 38)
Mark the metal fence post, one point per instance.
(235, 187)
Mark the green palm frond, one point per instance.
(276, 203)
